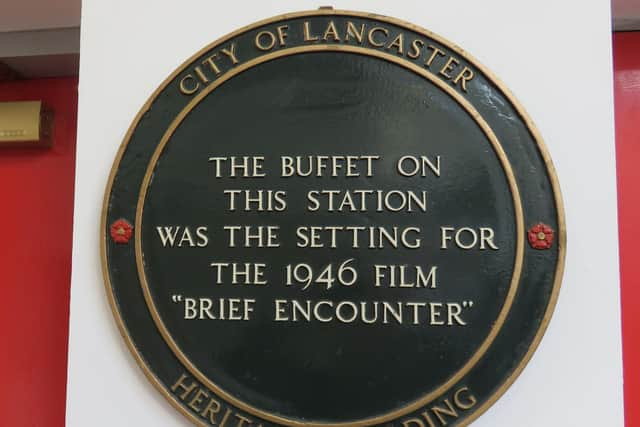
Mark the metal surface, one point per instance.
(429, 291)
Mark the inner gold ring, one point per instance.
(517, 262)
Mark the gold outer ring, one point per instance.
(482, 349)
(412, 27)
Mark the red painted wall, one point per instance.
(626, 60)
(36, 217)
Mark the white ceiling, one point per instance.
(21, 15)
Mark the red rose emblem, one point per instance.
(121, 231)
(540, 236)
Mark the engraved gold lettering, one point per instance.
(331, 32)
(428, 419)
(397, 43)
(444, 412)
(440, 412)
(282, 34)
(352, 31)
(462, 402)
(197, 399)
(448, 67)
(416, 46)
(210, 61)
(191, 83)
(231, 53)
(181, 384)
(201, 75)
(225, 417)
(206, 406)
(189, 88)
(210, 411)
(242, 420)
(435, 53)
(463, 77)
(270, 40)
(372, 33)
(413, 422)
(307, 33)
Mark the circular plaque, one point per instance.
(328, 219)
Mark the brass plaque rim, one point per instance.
(519, 109)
